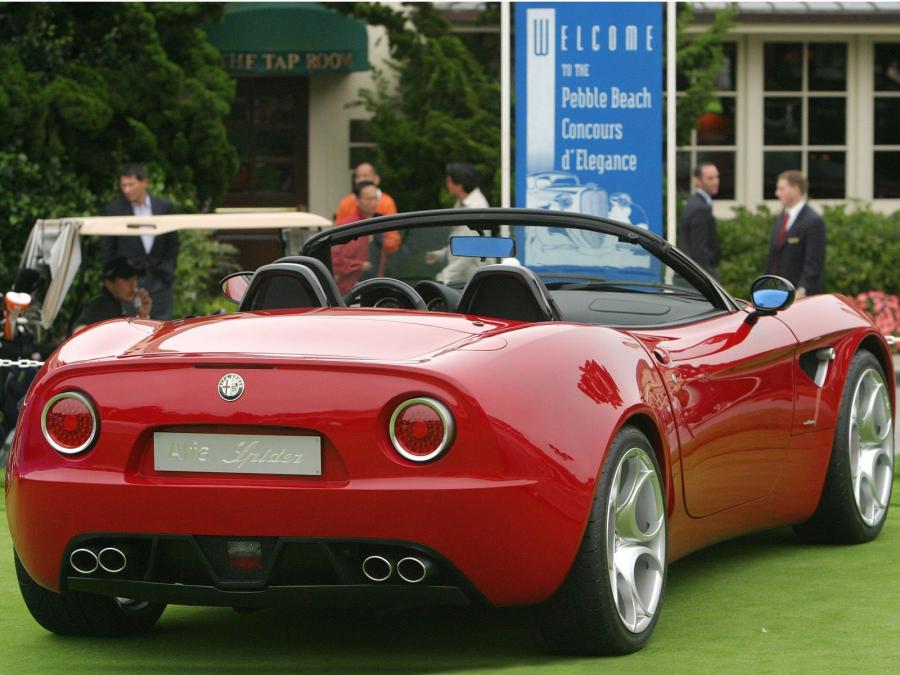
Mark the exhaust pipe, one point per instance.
(414, 570)
(377, 568)
(112, 560)
(83, 561)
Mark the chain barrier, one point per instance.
(20, 363)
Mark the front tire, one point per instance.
(857, 491)
(77, 613)
(609, 603)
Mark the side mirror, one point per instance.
(235, 285)
(770, 294)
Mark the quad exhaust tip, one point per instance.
(112, 560)
(377, 568)
(84, 561)
(413, 570)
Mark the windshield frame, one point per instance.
(319, 245)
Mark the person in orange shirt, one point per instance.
(390, 241)
(365, 172)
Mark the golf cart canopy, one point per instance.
(56, 243)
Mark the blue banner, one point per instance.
(589, 103)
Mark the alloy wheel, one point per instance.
(871, 447)
(636, 539)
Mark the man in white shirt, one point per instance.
(154, 257)
(797, 249)
(461, 182)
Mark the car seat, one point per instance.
(507, 292)
(283, 286)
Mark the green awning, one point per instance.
(289, 38)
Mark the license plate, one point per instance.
(237, 453)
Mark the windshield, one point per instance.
(564, 257)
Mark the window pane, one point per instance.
(274, 143)
(782, 121)
(826, 174)
(827, 121)
(684, 183)
(241, 181)
(360, 154)
(887, 175)
(887, 121)
(274, 177)
(240, 138)
(783, 66)
(717, 128)
(724, 162)
(774, 162)
(274, 109)
(239, 115)
(827, 66)
(726, 79)
(359, 132)
(887, 66)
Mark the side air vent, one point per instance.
(816, 364)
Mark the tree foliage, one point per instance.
(441, 106)
(87, 87)
(700, 60)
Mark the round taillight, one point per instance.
(421, 429)
(69, 422)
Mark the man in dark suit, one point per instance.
(797, 250)
(154, 257)
(697, 235)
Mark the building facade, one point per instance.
(299, 68)
(812, 86)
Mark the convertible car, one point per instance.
(588, 407)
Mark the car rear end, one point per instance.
(199, 479)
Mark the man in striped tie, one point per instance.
(797, 251)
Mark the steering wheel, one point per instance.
(385, 290)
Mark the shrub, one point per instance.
(862, 255)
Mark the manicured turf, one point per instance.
(764, 603)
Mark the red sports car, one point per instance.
(578, 407)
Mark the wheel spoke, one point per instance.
(636, 520)
(874, 420)
(637, 573)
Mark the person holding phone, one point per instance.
(120, 296)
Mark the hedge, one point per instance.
(863, 251)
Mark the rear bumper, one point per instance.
(351, 595)
(510, 542)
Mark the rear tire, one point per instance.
(857, 491)
(610, 601)
(77, 613)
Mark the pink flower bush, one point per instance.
(883, 308)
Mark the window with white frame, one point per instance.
(805, 114)
(886, 121)
(362, 145)
(714, 138)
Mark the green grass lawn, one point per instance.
(763, 603)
